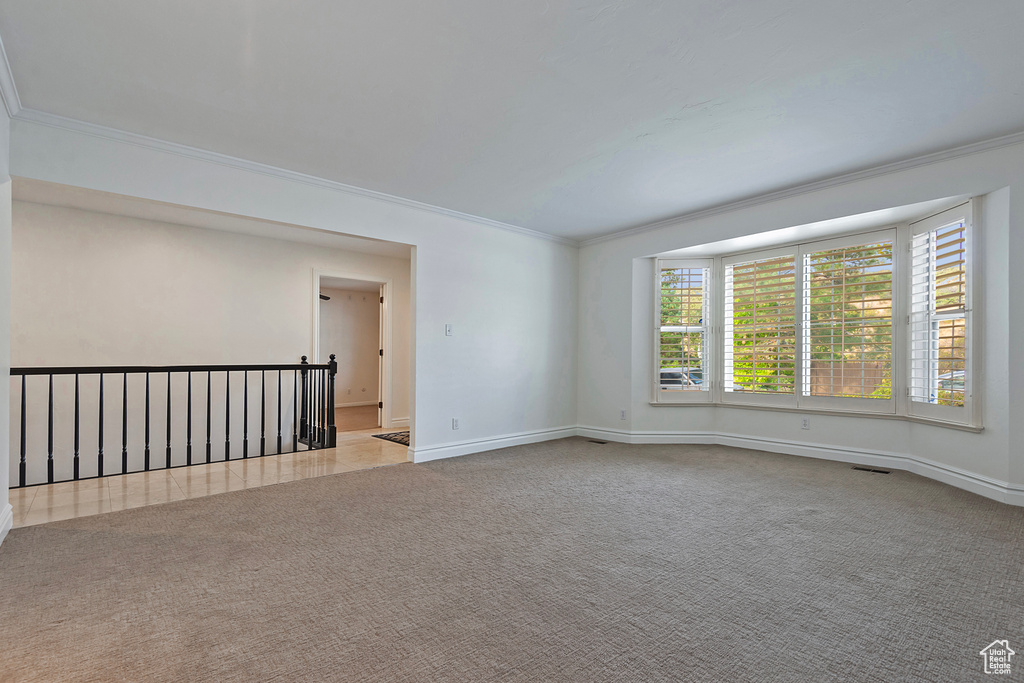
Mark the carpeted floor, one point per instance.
(561, 561)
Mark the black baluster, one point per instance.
(146, 461)
(314, 382)
(209, 381)
(245, 416)
(323, 407)
(168, 420)
(332, 430)
(49, 437)
(21, 465)
(278, 411)
(307, 410)
(124, 424)
(295, 410)
(76, 429)
(99, 434)
(263, 412)
(188, 429)
(304, 424)
(227, 415)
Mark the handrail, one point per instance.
(312, 389)
(136, 369)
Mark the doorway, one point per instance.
(350, 321)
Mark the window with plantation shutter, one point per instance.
(877, 321)
(939, 382)
(847, 321)
(682, 334)
(760, 326)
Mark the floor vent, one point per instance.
(871, 469)
(596, 441)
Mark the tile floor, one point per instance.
(355, 451)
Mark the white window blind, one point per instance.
(760, 326)
(847, 321)
(683, 338)
(938, 320)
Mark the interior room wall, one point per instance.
(617, 326)
(508, 372)
(350, 329)
(6, 517)
(93, 289)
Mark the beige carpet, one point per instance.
(564, 561)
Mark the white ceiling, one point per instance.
(575, 118)
(40, 192)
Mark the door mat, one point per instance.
(397, 437)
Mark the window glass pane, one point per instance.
(760, 333)
(950, 268)
(682, 343)
(938, 318)
(950, 361)
(848, 322)
(682, 296)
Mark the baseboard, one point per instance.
(449, 450)
(6, 521)
(399, 423)
(995, 489)
(623, 436)
(355, 404)
(1001, 491)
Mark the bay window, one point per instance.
(875, 322)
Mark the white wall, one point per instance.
(6, 517)
(509, 371)
(350, 329)
(96, 289)
(616, 328)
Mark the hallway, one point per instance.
(355, 418)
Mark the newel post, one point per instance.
(304, 421)
(332, 431)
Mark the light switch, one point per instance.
(447, 329)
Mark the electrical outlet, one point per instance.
(455, 423)
(805, 423)
(622, 414)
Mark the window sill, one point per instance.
(818, 411)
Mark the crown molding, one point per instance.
(124, 137)
(12, 101)
(8, 92)
(835, 181)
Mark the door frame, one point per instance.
(385, 374)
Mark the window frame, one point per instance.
(750, 398)
(858, 404)
(899, 405)
(967, 413)
(699, 396)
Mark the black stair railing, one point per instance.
(77, 407)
